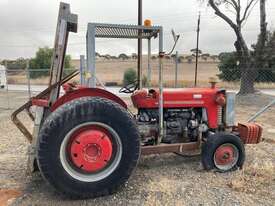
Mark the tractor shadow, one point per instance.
(169, 160)
(149, 167)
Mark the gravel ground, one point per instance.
(158, 180)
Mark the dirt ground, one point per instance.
(158, 179)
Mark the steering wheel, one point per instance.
(130, 88)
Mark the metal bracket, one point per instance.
(45, 93)
(263, 110)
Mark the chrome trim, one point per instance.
(229, 117)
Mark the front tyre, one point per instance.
(223, 152)
(88, 147)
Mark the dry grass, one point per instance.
(254, 178)
(112, 71)
(268, 140)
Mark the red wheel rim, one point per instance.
(90, 148)
(226, 156)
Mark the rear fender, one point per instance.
(87, 92)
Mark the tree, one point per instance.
(134, 56)
(214, 57)
(123, 56)
(194, 52)
(259, 48)
(153, 57)
(265, 58)
(97, 55)
(270, 51)
(181, 59)
(113, 57)
(107, 56)
(229, 67)
(241, 11)
(230, 70)
(130, 76)
(18, 64)
(189, 59)
(205, 56)
(42, 62)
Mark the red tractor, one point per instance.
(86, 142)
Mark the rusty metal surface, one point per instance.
(26, 107)
(250, 133)
(66, 23)
(30, 114)
(169, 148)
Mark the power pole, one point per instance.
(176, 68)
(197, 49)
(139, 64)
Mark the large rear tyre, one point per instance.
(223, 152)
(88, 147)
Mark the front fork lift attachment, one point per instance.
(66, 23)
(41, 97)
(42, 105)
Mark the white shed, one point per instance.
(3, 77)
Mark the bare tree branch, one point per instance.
(241, 14)
(232, 3)
(222, 15)
(248, 9)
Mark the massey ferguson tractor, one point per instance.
(86, 142)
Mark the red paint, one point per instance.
(181, 98)
(87, 92)
(69, 87)
(224, 155)
(40, 102)
(90, 148)
(250, 133)
(221, 99)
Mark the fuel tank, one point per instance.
(176, 98)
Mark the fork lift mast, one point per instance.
(86, 142)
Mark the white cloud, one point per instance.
(28, 24)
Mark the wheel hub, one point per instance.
(226, 156)
(92, 152)
(91, 149)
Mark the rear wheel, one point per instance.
(88, 147)
(223, 152)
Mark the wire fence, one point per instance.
(180, 73)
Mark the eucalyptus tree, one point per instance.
(236, 13)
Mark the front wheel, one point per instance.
(88, 147)
(223, 152)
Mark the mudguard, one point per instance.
(87, 92)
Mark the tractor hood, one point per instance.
(176, 98)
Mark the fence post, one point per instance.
(7, 84)
(149, 75)
(28, 78)
(82, 69)
(176, 69)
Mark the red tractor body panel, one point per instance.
(87, 92)
(181, 98)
